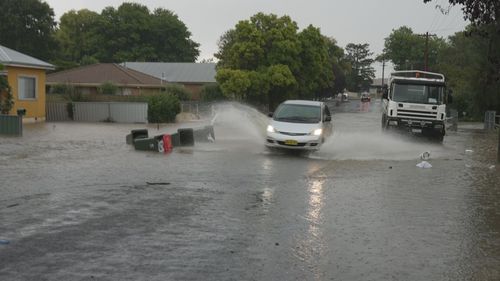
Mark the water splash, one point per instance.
(375, 145)
(236, 121)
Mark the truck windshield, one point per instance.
(298, 113)
(426, 94)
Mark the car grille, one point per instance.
(292, 134)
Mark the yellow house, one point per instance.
(26, 77)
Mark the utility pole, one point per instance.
(426, 67)
(383, 69)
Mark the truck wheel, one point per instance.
(440, 136)
(384, 122)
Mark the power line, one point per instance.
(427, 35)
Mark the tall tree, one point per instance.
(267, 60)
(484, 36)
(28, 26)
(76, 35)
(362, 73)
(132, 33)
(316, 71)
(263, 51)
(470, 72)
(407, 50)
(339, 67)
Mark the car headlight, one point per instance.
(270, 129)
(317, 132)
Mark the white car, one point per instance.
(299, 124)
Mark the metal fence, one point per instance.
(489, 120)
(201, 109)
(57, 112)
(120, 112)
(11, 125)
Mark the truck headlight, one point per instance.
(270, 129)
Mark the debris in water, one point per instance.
(492, 167)
(425, 156)
(13, 205)
(424, 165)
(157, 183)
(469, 151)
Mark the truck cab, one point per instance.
(415, 101)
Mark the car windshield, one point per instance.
(298, 113)
(427, 94)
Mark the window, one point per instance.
(426, 94)
(27, 88)
(298, 113)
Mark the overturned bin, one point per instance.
(136, 134)
(186, 137)
(147, 144)
(165, 142)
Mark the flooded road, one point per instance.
(77, 203)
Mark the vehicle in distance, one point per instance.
(299, 124)
(415, 101)
(365, 97)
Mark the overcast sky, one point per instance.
(348, 21)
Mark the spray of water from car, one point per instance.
(242, 127)
(374, 146)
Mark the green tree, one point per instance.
(28, 27)
(477, 84)
(471, 73)
(6, 98)
(362, 73)
(76, 35)
(339, 67)
(266, 60)
(316, 71)
(406, 50)
(132, 33)
(258, 60)
(212, 92)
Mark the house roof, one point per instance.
(100, 73)
(176, 72)
(15, 58)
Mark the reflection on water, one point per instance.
(311, 245)
(315, 206)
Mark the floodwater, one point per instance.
(78, 203)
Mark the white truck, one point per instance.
(415, 101)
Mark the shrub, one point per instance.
(6, 98)
(108, 88)
(180, 92)
(212, 93)
(163, 108)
